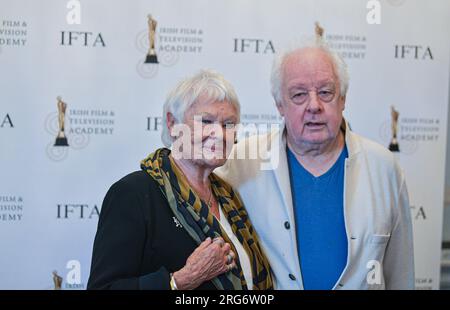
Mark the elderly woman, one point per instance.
(174, 224)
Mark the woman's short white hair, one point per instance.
(340, 67)
(208, 84)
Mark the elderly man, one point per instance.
(333, 212)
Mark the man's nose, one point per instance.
(314, 104)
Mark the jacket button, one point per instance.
(287, 225)
(292, 277)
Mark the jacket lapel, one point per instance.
(282, 179)
(353, 149)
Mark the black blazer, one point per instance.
(138, 243)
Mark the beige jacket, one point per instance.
(376, 211)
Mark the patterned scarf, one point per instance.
(196, 218)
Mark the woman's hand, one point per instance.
(210, 259)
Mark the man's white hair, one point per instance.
(208, 84)
(340, 67)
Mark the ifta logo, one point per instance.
(72, 128)
(163, 45)
(406, 133)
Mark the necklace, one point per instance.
(215, 213)
(209, 199)
(210, 189)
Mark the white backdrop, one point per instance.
(50, 196)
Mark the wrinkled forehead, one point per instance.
(309, 66)
(212, 107)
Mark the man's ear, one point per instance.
(343, 102)
(280, 108)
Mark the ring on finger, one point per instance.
(229, 258)
(221, 242)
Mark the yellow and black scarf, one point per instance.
(196, 218)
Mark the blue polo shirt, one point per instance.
(319, 221)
